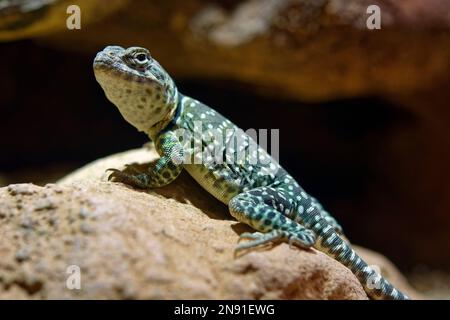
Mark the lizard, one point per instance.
(256, 189)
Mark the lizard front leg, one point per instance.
(164, 171)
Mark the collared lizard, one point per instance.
(258, 192)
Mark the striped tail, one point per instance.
(329, 242)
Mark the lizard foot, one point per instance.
(305, 239)
(133, 168)
(139, 180)
(251, 235)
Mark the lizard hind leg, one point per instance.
(271, 224)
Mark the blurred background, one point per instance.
(364, 115)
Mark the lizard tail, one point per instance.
(330, 243)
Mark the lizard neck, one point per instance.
(172, 115)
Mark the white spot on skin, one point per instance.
(331, 238)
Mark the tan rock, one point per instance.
(174, 242)
(303, 49)
(30, 18)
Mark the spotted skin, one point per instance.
(224, 160)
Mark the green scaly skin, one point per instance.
(257, 190)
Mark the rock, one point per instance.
(303, 49)
(30, 18)
(173, 242)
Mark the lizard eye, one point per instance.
(136, 57)
(141, 59)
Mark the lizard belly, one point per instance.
(214, 181)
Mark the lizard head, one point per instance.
(140, 88)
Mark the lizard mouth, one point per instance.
(106, 60)
(109, 62)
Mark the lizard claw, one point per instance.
(291, 242)
(116, 173)
(258, 238)
(130, 179)
(250, 235)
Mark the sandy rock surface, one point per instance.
(176, 242)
